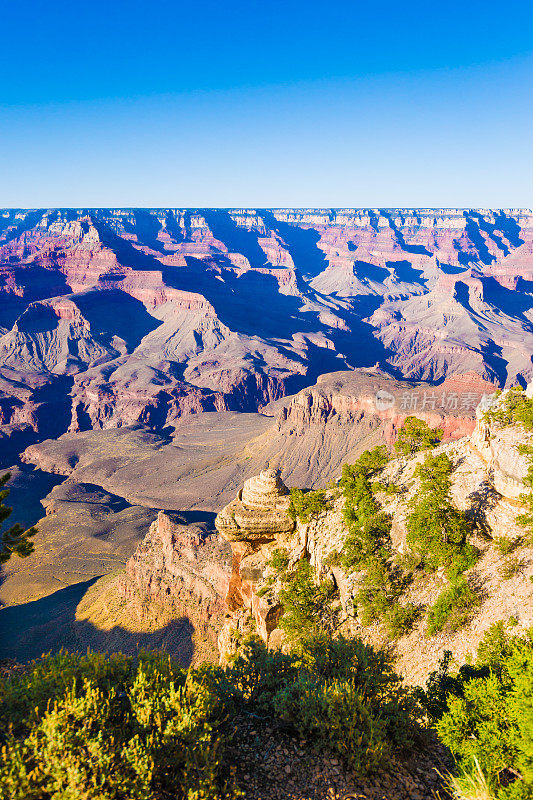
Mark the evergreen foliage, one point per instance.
(484, 713)
(437, 531)
(368, 526)
(119, 728)
(513, 408)
(416, 435)
(307, 505)
(367, 546)
(342, 693)
(111, 729)
(453, 607)
(15, 540)
(399, 619)
(526, 518)
(307, 604)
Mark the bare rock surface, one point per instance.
(112, 317)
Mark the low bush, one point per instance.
(118, 728)
(526, 519)
(453, 607)
(111, 728)
(486, 718)
(340, 692)
(399, 619)
(14, 540)
(511, 566)
(505, 545)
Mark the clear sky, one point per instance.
(272, 103)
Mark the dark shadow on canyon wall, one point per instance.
(308, 258)
(49, 624)
(30, 221)
(114, 312)
(405, 272)
(127, 255)
(510, 228)
(490, 230)
(414, 249)
(474, 234)
(236, 239)
(27, 488)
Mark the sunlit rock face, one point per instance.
(255, 523)
(259, 513)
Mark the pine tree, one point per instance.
(14, 539)
(415, 435)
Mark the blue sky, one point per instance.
(266, 104)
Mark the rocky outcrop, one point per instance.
(348, 398)
(182, 569)
(487, 481)
(255, 523)
(498, 447)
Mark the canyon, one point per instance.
(111, 317)
(153, 360)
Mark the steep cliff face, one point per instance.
(157, 314)
(486, 484)
(180, 570)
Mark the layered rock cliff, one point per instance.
(486, 483)
(131, 315)
(181, 570)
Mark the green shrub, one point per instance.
(436, 530)
(505, 545)
(348, 697)
(155, 732)
(338, 714)
(333, 559)
(14, 540)
(24, 697)
(378, 589)
(400, 619)
(387, 487)
(453, 607)
(368, 546)
(416, 435)
(511, 566)
(118, 728)
(256, 673)
(368, 526)
(488, 719)
(279, 562)
(512, 407)
(307, 604)
(526, 519)
(307, 505)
